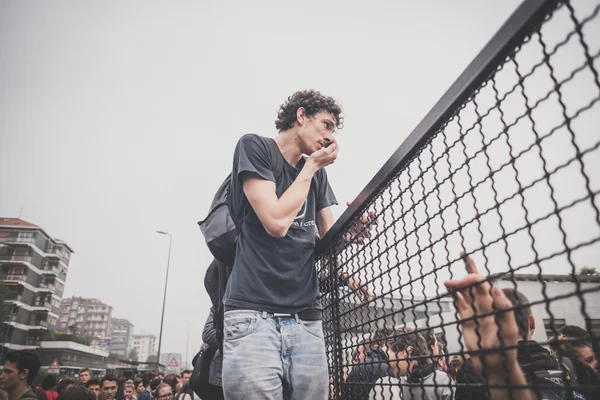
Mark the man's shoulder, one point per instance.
(253, 138)
(30, 394)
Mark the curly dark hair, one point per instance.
(313, 102)
(406, 337)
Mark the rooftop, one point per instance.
(84, 301)
(18, 223)
(120, 321)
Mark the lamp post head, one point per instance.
(163, 233)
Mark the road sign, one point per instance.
(173, 363)
(54, 366)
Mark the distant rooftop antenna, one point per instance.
(21, 212)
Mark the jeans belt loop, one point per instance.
(297, 318)
(264, 315)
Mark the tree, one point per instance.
(133, 355)
(152, 359)
(589, 271)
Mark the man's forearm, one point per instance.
(291, 201)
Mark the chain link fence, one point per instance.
(505, 167)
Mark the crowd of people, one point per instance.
(499, 356)
(22, 366)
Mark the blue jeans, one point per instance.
(273, 358)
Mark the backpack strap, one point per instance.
(276, 158)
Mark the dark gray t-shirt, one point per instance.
(274, 274)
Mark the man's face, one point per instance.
(315, 132)
(95, 389)
(139, 388)
(128, 392)
(109, 390)
(84, 376)
(185, 378)
(10, 378)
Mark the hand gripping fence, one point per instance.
(505, 167)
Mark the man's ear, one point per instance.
(23, 375)
(301, 116)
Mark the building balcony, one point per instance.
(17, 240)
(51, 267)
(8, 317)
(32, 342)
(51, 254)
(14, 278)
(15, 259)
(47, 287)
(42, 323)
(13, 297)
(45, 304)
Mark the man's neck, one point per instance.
(289, 145)
(18, 392)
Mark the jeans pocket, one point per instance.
(315, 328)
(237, 325)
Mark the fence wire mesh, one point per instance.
(510, 176)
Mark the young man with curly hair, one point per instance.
(273, 337)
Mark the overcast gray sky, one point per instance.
(118, 118)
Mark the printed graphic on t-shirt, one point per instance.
(299, 221)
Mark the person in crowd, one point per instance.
(64, 384)
(77, 393)
(437, 350)
(129, 392)
(138, 384)
(85, 375)
(578, 349)
(49, 386)
(185, 377)
(576, 343)
(454, 366)
(209, 336)
(163, 392)
(364, 374)
(146, 393)
(94, 386)
(282, 201)
(154, 384)
(173, 381)
(109, 387)
(40, 393)
(19, 370)
(415, 373)
(186, 393)
(511, 357)
(360, 353)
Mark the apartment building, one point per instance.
(33, 270)
(122, 338)
(85, 317)
(145, 345)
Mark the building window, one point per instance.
(595, 328)
(558, 323)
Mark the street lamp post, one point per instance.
(187, 345)
(162, 316)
